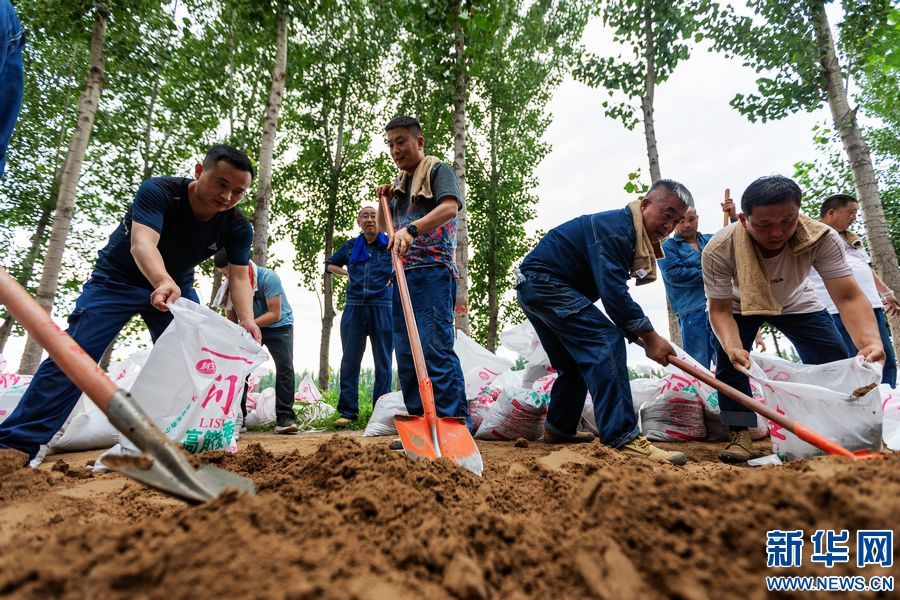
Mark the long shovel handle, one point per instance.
(70, 357)
(412, 329)
(725, 218)
(801, 431)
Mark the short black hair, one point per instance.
(405, 122)
(835, 201)
(231, 155)
(221, 258)
(771, 189)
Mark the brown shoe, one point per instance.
(739, 448)
(580, 437)
(640, 447)
(342, 423)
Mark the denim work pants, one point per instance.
(813, 335)
(697, 337)
(889, 374)
(280, 343)
(433, 294)
(102, 310)
(361, 321)
(588, 352)
(12, 76)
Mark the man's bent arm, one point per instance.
(446, 210)
(144, 241)
(721, 318)
(857, 316)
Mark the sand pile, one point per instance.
(348, 521)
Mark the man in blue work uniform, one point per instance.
(173, 225)
(275, 319)
(683, 278)
(366, 260)
(424, 202)
(587, 259)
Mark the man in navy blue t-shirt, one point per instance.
(172, 226)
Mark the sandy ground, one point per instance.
(340, 516)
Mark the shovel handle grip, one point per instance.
(65, 352)
(725, 218)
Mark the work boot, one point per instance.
(640, 447)
(739, 448)
(286, 425)
(342, 423)
(580, 437)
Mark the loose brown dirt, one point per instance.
(341, 516)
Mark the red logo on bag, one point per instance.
(206, 366)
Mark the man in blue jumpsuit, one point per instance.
(366, 260)
(173, 225)
(587, 259)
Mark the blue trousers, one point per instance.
(697, 337)
(433, 294)
(361, 321)
(588, 352)
(12, 76)
(102, 310)
(813, 335)
(889, 374)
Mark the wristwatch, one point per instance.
(413, 230)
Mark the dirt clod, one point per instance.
(521, 443)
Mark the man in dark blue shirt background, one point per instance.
(173, 225)
(366, 260)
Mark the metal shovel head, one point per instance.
(453, 440)
(199, 485)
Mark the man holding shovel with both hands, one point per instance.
(588, 259)
(756, 271)
(424, 203)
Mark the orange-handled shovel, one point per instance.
(428, 437)
(801, 431)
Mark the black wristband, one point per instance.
(413, 230)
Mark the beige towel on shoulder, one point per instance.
(643, 267)
(851, 238)
(756, 292)
(421, 180)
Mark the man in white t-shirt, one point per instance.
(839, 213)
(756, 271)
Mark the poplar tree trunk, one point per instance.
(650, 137)
(491, 338)
(884, 257)
(267, 144)
(461, 310)
(65, 205)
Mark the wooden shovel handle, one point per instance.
(70, 357)
(412, 329)
(726, 217)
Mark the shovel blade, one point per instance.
(201, 485)
(454, 441)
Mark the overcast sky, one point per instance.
(702, 142)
